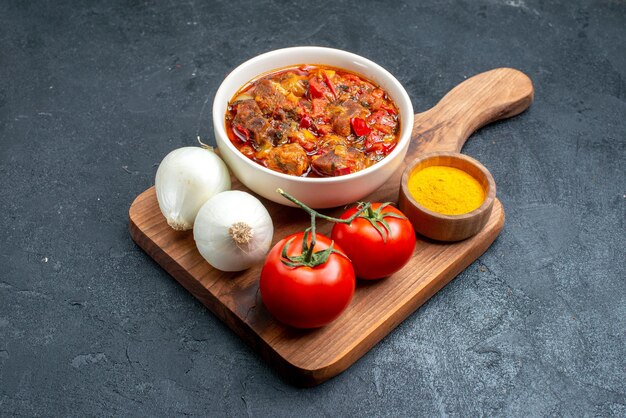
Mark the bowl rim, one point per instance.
(490, 194)
(405, 120)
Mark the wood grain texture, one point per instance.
(310, 357)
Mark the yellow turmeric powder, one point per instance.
(446, 190)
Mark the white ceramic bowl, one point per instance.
(316, 192)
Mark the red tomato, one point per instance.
(306, 297)
(306, 121)
(372, 139)
(376, 253)
(382, 121)
(381, 148)
(316, 89)
(359, 126)
(330, 84)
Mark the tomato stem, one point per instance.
(307, 249)
(309, 252)
(314, 260)
(376, 217)
(315, 214)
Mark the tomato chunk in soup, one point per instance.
(314, 121)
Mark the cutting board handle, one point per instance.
(482, 99)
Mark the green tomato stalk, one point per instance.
(308, 257)
(376, 217)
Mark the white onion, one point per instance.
(187, 177)
(233, 231)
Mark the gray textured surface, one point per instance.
(93, 95)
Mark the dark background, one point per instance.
(94, 94)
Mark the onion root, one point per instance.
(241, 233)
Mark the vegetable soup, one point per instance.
(313, 121)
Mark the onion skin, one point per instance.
(186, 178)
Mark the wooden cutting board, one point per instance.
(307, 358)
